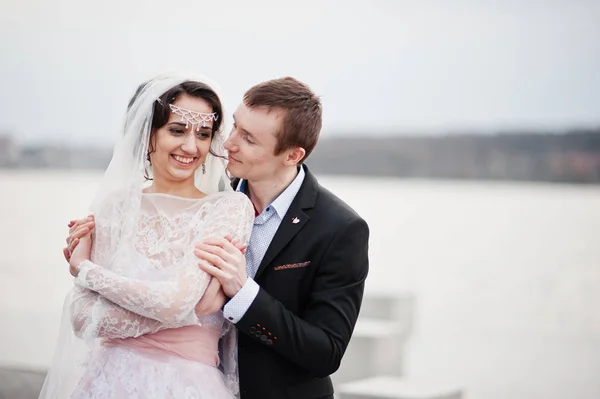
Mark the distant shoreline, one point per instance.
(572, 157)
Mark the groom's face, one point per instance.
(252, 142)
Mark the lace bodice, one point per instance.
(127, 291)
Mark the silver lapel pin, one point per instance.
(295, 220)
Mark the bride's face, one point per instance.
(176, 150)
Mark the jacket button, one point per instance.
(263, 338)
(269, 342)
(258, 334)
(252, 330)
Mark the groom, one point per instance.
(296, 293)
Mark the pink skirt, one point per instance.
(171, 364)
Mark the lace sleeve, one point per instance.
(233, 216)
(109, 305)
(93, 316)
(171, 300)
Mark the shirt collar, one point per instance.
(282, 203)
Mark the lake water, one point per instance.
(506, 276)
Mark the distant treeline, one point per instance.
(572, 156)
(566, 157)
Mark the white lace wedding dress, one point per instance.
(137, 304)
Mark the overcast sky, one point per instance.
(68, 67)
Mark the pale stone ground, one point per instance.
(20, 384)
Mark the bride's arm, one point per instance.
(96, 316)
(235, 221)
(213, 299)
(171, 300)
(93, 316)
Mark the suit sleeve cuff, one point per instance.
(237, 306)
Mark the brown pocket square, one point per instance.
(292, 266)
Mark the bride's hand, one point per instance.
(212, 300)
(82, 252)
(77, 229)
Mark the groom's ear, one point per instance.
(294, 156)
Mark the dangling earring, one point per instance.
(146, 174)
(203, 169)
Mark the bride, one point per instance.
(129, 327)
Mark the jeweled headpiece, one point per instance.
(192, 117)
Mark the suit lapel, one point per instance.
(293, 221)
(287, 230)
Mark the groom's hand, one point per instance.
(77, 230)
(224, 260)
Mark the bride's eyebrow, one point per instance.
(207, 129)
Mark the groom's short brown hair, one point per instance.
(303, 112)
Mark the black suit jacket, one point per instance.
(311, 281)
